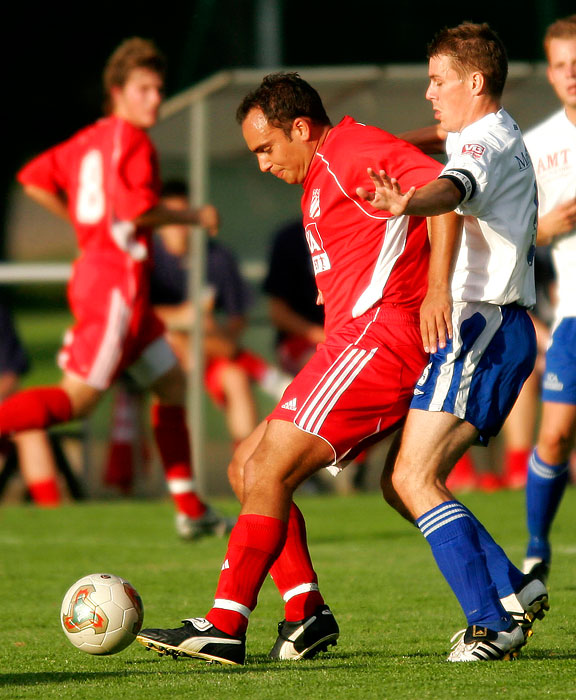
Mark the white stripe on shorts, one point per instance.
(110, 349)
(331, 387)
(462, 311)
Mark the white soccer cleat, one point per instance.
(482, 644)
(528, 604)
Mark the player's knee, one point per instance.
(387, 488)
(236, 473)
(554, 446)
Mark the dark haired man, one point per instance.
(371, 270)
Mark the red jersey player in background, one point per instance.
(105, 181)
(371, 271)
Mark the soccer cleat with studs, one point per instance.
(482, 644)
(210, 523)
(529, 603)
(198, 638)
(305, 638)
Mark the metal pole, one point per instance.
(268, 33)
(198, 179)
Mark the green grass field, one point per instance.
(395, 612)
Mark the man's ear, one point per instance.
(478, 81)
(301, 129)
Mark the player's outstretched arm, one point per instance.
(437, 197)
(387, 195)
(205, 216)
(436, 309)
(429, 139)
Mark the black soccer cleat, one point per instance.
(305, 638)
(198, 638)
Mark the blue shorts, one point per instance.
(559, 381)
(480, 373)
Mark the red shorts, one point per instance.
(111, 331)
(357, 387)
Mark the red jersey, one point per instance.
(363, 257)
(109, 174)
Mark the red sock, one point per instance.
(45, 493)
(516, 468)
(254, 544)
(36, 408)
(171, 433)
(293, 572)
(119, 469)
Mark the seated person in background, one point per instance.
(230, 370)
(292, 298)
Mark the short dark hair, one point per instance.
(131, 54)
(564, 28)
(474, 47)
(283, 97)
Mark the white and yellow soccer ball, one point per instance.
(101, 614)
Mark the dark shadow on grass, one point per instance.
(546, 655)
(55, 677)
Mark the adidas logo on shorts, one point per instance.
(290, 405)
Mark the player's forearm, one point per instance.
(206, 217)
(434, 199)
(444, 232)
(54, 203)
(162, 216)
(436, 308)
(430, 139)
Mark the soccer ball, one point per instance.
(101, 614)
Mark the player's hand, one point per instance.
(209, 218)
(436, 319)
(387, 195)
(561, 220)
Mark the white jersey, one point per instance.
(489, 162)
(552, 147)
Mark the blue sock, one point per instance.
(544, 490)
(453, 537)
(506, 577)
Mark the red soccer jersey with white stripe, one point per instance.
(363, 257)
(109, 174)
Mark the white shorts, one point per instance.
(480, 373)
